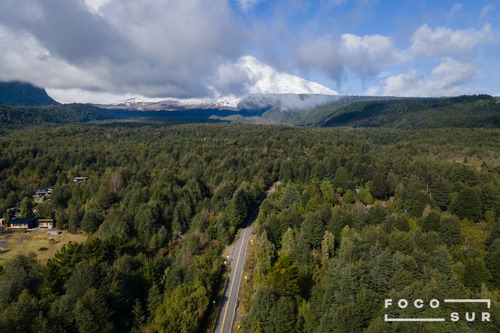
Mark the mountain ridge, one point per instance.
(459, 111)
(19, 93)
(283, 109)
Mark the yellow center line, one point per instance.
(238, 291)
(232, 283)
(253, 217)
(220, 302)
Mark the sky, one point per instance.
(107, 50)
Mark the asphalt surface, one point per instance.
(227, 307)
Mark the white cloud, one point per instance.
(231, 79)
(95, 5)
(399, 85)
(363, 55)
(456, 8)
(447, 42)
(452, 72)
(63, 95)
(446, 79)
(190, 48)
(322, 54)
(24, 57)
(151, 47)
(247, 4)
(367, 54)
(453, 50)
(486, 9)
(182, 41)
(372, 91)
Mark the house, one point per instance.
(80, 179)
(41, 196)
(23, 223)
(368, 207)
(46, 223)
(13, 211)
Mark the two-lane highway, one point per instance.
(227, 307)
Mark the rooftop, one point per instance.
(22, 220)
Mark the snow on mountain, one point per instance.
(262, 85)
(139, 100)
(145, 103)
(266, 80)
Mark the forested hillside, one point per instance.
(397, 112)
(463, 111)
(17, 93)
(19, 116)
(14, 117)
(362, 215)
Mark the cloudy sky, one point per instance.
(105, 50)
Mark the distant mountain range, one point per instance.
(28, 105)
(17, 93)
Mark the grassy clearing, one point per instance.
(43, 245)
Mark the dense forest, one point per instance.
(396, 112)
(363, 214)
(462, 111)
(15, 117)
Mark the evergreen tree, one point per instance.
(26, 209)
(328, 245)
(283, 277)
(283, 316)
(89, 313)
(182, 309)
(449, 229)
(467, 204)
(431, 222)
(312, 230)
(492, 259)
(263, 302)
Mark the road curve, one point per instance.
(227, 306)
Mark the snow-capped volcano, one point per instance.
(266, 80)
(252, 76)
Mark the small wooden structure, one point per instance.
(46, 223)
(23, 223)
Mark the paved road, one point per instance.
(227, 308)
